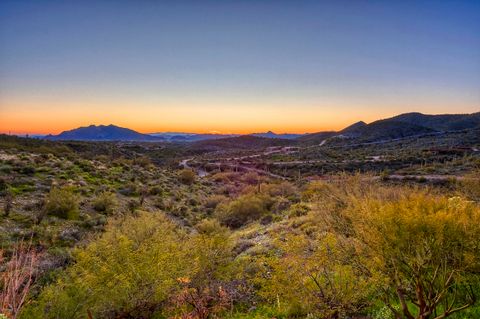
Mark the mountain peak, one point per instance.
(354, 127)
(103, 133)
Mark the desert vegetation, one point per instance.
(88, 234)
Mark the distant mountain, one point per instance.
(271, 134)
(103, 133)
(193, 137)
(190, 137)
(403, 125)
(241, 142)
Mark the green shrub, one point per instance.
(63, 203)
(28, 170)
(142, 267)
(143, 161)
(105, 202)
(155, 190)
(187, 176)
(3, 186)
(213, 201)
(243, 210)
(299, 209)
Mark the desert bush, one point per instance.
(423, 247)
(142, 267)
(129, 189)
(251, 178)
(213, 201)
(469, 186)
(187, 176)
(128, 272)
(427, 249)
(298, 209)
(284, 189)
(63, 203)
(314, 276)
(225, 177)
(28, 170)
(243, 210)
(155, 190)
(3, 186)
(8, 203)
(143, 161)
(105, 202)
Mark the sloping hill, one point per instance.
(316, 138)
(403, 125)
(353, 129)
(103, 133)
(388, 129)
(441, 122)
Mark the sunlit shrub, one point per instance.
(144, 267)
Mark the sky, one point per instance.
(234, 66)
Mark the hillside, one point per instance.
(316, 137)
(103, 133)
(241, 142)
(354, 128)
(271, 134)
(441, 122)
(387, 129)
(400, 126)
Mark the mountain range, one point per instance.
(403, 125)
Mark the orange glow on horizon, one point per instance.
(53, 117)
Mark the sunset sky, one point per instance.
(233, 66)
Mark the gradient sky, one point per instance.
(243, 66)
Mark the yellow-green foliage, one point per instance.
(244, 209)
(363, 243)
(351, 247)
(133, 270)
(63, 203)
(427, 247)
(284, 189)
(315, 275)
